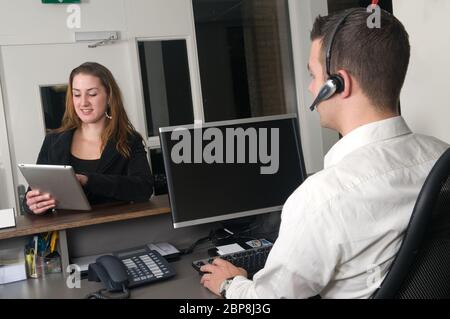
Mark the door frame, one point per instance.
(194, 76)
(5, 154)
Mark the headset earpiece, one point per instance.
(339, 82)
(335, 84)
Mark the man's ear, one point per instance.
(348, 84)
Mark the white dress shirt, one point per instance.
(342, 227)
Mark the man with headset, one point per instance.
(343, 226)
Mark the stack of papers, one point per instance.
(228, 249)
(12, 266)
(7, 218)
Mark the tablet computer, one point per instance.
(58, 180)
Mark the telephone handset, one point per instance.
(129, 269)
(111, 271)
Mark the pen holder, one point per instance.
(38, 266)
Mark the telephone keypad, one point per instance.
(145, 266)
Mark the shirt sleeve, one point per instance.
(301, 262)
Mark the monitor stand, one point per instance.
(231, 230)
(237, 231)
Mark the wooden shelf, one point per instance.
(29, 225)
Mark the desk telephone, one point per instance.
(129, 269)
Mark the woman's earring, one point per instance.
(109, 117)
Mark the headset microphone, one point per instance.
(335, 83)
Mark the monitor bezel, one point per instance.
(231, 215)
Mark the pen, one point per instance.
(35, 238)
(53, 241)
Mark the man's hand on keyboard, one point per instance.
(217, 272)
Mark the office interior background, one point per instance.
(181, 61)
(209, 60)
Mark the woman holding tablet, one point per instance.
(97, 139)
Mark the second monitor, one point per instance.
(226, 170)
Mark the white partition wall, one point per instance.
(7, 199)
(425, 97)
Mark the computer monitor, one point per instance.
(225, 170)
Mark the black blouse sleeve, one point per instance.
(136, 185)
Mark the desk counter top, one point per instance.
(63, 219)
(185, 285)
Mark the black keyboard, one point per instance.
(251, 260)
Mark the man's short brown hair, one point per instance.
(377, 58)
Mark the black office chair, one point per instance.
(421, 269)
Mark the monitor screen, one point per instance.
(225, 170)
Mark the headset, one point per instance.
(335, 83)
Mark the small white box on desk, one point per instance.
(7, 218)
(12, 266)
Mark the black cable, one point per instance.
(191, 248)
(100, 294)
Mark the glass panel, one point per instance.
(53, 104)
(245, 59)
(166, 84)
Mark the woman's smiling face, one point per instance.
(89, 98)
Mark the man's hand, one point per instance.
(217, 272)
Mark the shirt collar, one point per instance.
(364, 135)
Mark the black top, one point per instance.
(82, 166)
(115, 177)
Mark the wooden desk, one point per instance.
(63, 220)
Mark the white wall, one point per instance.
(31, 22)
(425, 97)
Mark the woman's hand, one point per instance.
(83, 179)
(40, 202)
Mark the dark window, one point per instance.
(166, 84)
(245, 59)
(53, 104)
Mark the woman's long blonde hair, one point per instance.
(119, 128)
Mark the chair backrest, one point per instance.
(421, 268)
